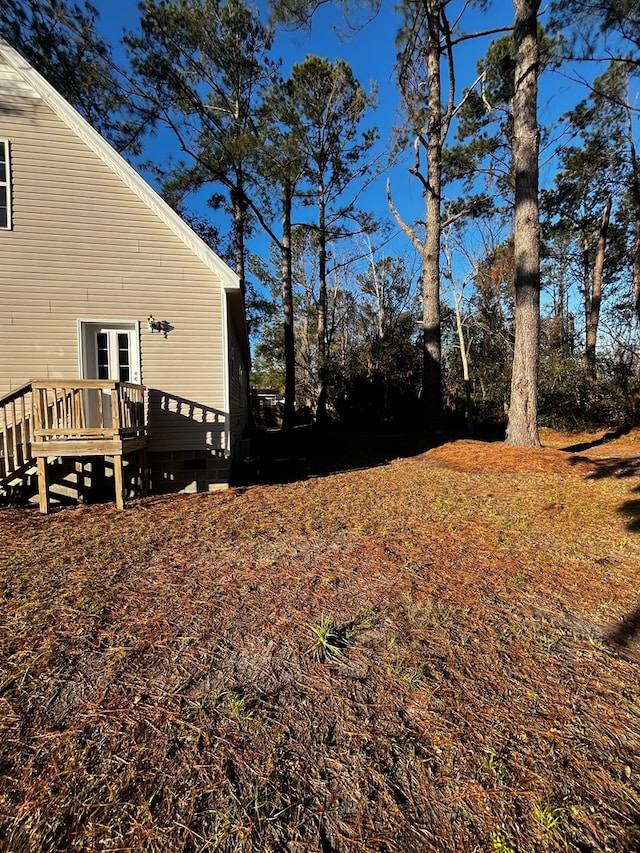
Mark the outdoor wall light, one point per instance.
(163, 326)
(153, 324)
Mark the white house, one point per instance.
(102, 282)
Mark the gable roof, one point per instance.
(19, 79)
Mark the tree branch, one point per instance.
(405, 228)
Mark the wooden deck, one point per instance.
(75, 418)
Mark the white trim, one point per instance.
(118, 165)
(81, 348)
(7, 184)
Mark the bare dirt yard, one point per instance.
(440, 653)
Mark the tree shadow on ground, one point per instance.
(621, 467)
(608, 436)
(615, 466)
(631, 511)
(313, 452)
(628, 629)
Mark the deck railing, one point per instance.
(15, 431)
(86, 409)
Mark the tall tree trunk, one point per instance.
(586, 280)
(378, 284)
(594, 299)
(432, 355)
(287, 308)
(239, 228)
(635, 195)
(437, 40)
(522, 429)
(321, 405)
(636, 242)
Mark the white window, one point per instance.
(5, 186)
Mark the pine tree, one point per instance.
(324, 106)
(522, 428)
(201, 66)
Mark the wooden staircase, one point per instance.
(49, 420)
(17, 463)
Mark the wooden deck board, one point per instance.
(69, 447)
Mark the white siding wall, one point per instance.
(83, 246)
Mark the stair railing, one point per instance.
(16, 432)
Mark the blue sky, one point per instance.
(371, 53)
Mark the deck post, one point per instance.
(119, 481)
(144, 474)
(43, 486)
(80, 485)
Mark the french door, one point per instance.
(114, 355)
(108, 351)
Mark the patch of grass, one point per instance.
(330, 641)
(414, 675)
(543, 641)
(245, 820)
(496, 766)
(366, 617)
(547, 816)
(501, 843)
(237, 706)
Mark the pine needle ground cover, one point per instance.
(436, 654)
